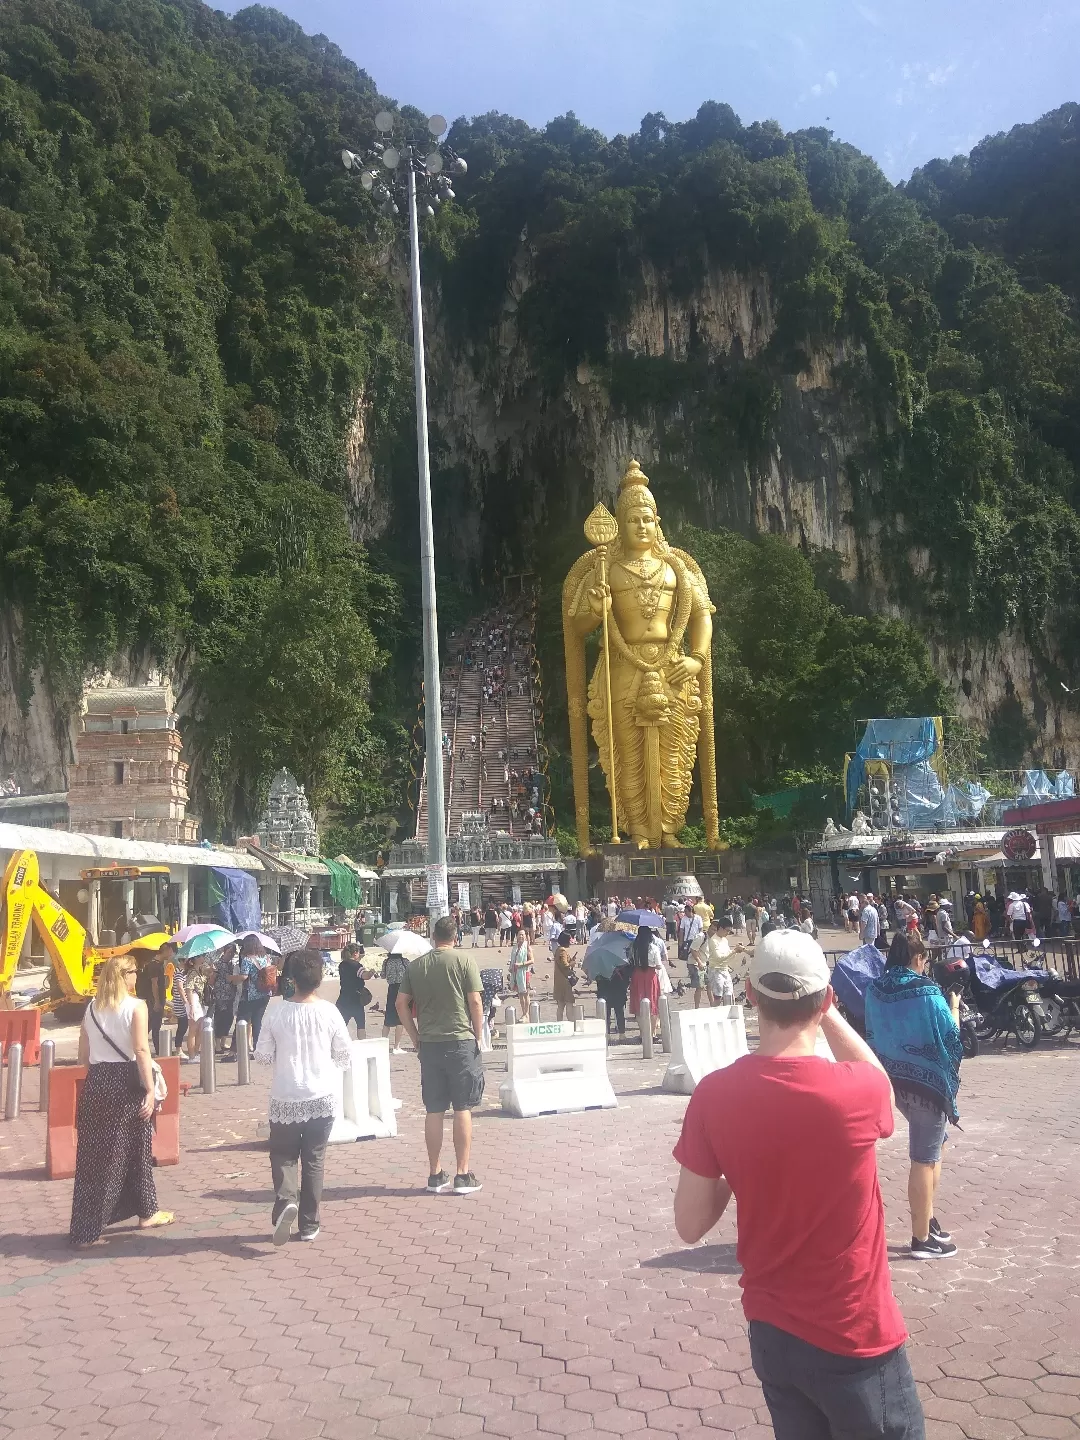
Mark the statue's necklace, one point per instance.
(649, 592)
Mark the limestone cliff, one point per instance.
(517, 468)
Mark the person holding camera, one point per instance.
(793, 1135)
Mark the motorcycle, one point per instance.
(1060, 998)
(1008, 1000)
(955, 975)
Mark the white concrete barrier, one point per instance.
(553, 1069)
(702, 1041)
(365, 1109)
(821, 1047)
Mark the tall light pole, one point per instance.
(380, 172)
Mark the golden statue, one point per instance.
(650, 700)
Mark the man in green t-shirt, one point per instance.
(445, 987)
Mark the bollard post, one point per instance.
(14, 1082)
(665, 1024)
(534, 1013)
(243, 1052)
(48, 1055)
(207, 1076)
(645, 1026)
(577, 1014)
(510, 1016)
(166, 1042)
(601, 1014)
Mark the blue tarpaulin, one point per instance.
(852, 975)
(907, 741)
(234, 899)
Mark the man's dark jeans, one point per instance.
(815, 1395)
(304, 1144)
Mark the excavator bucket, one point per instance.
(20, 889)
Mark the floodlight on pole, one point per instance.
(388, 167)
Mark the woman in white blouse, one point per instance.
(306, 1042)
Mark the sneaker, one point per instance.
(310, 1234)
(932, 1248)
(397, 1050)
(284, 1223)
(937, 1231)
(466, 1184)
(436, 1184)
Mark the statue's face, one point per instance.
(639, 527)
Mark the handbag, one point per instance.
(161, 1089)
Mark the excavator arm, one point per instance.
(65, 940)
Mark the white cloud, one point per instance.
(941, 75)
(830, 79)
(870, 16)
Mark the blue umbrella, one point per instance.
(606, 953)
(642, 917)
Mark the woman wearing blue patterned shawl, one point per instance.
(913, 1030)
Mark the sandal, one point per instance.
(157, 1220)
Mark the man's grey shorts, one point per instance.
(927, 1124)
(451, 1074)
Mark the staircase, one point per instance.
(504, 720)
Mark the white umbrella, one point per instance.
(408, 944)
(266, 941)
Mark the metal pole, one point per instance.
(243, 1052)
(577, 1014)
(48, 1055)
(166, 1042)
(207, 1076)
(534, 1013)
(510, 1016)
(645, 1026)
(601, 1009)
(436, 815)
(665, 1024)
(14, 1082)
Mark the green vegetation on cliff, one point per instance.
(197, 315)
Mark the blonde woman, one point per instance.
(113, 1175)
(520, 971)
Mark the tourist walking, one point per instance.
(564, 976)
(114, 1179)
(506, 921)
(869, 923)
(645, 960)
(614, 990)
(445, 987)
(307, 1045)
(521, 971)
(690, 927)
(256, 976)
(475, 920)
(491, 926)
(395, 968)
(915, 1033)
(353, 994)
(150, 987)
(223, 997)
(793, 1137)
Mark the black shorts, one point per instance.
(391, 1017)
(451, 1074)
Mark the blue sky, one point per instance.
(904, 80)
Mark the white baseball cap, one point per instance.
(797, 957)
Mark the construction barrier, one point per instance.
(61, 1132)
(21, 1027)
(365, 1110)
(703, 1041)
(551, 1069)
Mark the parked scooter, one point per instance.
(1008, 1000)
(1060, 998)
(955, 975)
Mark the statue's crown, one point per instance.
(634, 476)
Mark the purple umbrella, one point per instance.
(190, 931)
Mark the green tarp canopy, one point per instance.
(344, 887)
(783, 802)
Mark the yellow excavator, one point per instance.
(75, 958)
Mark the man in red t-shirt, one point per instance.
(792, 1135)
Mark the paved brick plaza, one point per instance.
(559, 1301)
